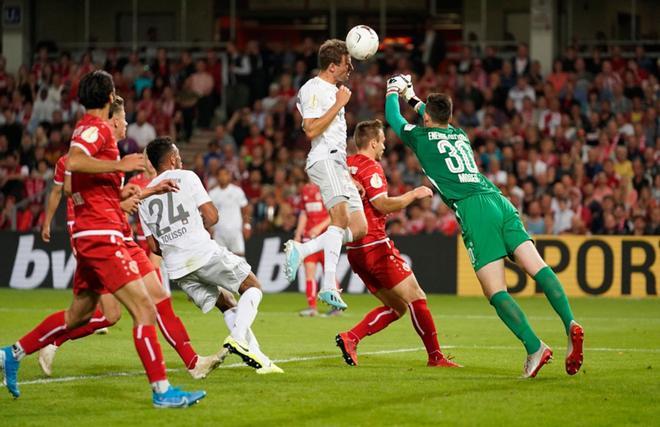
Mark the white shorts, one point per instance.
(232, 240)
(224, 270)
(336, 185)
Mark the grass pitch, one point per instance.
(98, 380)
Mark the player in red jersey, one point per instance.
(375, 259)
(170, 325)
(103, 259)
(312, 221)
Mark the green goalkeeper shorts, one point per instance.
(491, 228)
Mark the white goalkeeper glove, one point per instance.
(409, 93)
(396, 84)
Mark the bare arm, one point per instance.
(387, 205)
(54, 198)
(79, 161)
(67, 183)
(316, 126)
(165, 186)
(302, 222)
(209, 215)
(247, 226)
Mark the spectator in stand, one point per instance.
(141, 131)
(202, 84)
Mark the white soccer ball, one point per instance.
(362, 42)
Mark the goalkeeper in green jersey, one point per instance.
(490, 224)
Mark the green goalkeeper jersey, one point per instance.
(445, 155)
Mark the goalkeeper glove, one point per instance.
(397, 85)
(409, 93)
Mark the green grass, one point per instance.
(618, 385)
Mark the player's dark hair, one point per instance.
(439, 107)
(158, 149)
(116, 106)
(95, 89)
(331, 52)
(366, 131)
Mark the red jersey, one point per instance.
(96, 196)
(141, 180)
(370, 174)
(58, 179)
(312, 204)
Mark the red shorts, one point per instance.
(315, 258)
(379, 266)
(140, 256)
(104, 264)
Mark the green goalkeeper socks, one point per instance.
(514, 318)
(549, 283)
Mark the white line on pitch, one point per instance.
(328, 356)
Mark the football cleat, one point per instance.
(332, 298)
(102, 331)
(206, 364)
(574, 350)
(46, 357)
(309, 312)
(271, 369)
(10, 367)
(177, 398)
(348, 348)
(441, 361)
(243, 351)
(292, 259)
(535, 361)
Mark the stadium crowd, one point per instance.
(576, 150)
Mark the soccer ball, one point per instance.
(362, 42)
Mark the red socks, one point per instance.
(50, 329)
(175, 333)
(310, 290)
(98, 321)
(151, 355)
(376, 320)
(425, 327)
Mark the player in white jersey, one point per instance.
(321, 103)
(176, 227)
(234, 226)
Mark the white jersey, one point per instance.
(314, 99)
(229, 202)
(173, 219)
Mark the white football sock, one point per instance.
(160, 386)
(348, 235)
(246, 312)
(331, 251)
(253, 344)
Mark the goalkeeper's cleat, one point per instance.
(574, 351)
(10, 367)
(206, 364)
(271, 369)
(292, 259)
(46, 357)
(177, 398)
(441, 361)
(102, 331)
(309, 312)
(332, 298)
(243, 351)
(348, 348)
(536, 360)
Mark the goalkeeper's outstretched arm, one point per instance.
(393, 113)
